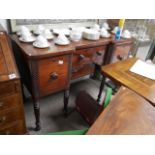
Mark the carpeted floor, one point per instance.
(52, 117)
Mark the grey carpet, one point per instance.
(52, 116)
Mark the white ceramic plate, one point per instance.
(27, 41)
(38, 46)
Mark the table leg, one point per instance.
(101, 89)
(37, 113)
(66, 99)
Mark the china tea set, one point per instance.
(41, 35)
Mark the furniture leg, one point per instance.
(101, 89)
(37, 114)
(66, 99)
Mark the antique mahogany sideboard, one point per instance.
(12, 119)
(45, 71)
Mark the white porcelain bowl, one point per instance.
(61, 31)
(91, 34)
(75, 35)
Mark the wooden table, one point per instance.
(127, 113)
(119, 73)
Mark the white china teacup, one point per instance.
(41, 41)
(115, 29)
(47, 34)
(75, 35)
(96, 27)
(23, 29)
(62, 39)
(104, 32)
(39, 29)
(106, 26)
(126, 34)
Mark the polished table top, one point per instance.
(32, 52)
(127, 113)
(119, 72)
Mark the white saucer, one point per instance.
(38, 46)
(62, 43)
(27, 41)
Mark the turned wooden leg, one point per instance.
(101, 89)
(66, 99)
(37, 113)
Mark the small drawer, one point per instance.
(10, 102)
(8, 88)
(82, 70)
(55, 64)
(120, 53)
(15, 128)
(9, 116)
(86, 55)
(53, 82)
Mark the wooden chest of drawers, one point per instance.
(12, 120)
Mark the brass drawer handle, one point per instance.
(99, 53)
(3, 119)
(119, 57)
(54, 76)
(1, 104)
(81, 56)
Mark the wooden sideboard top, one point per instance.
(8, 69)
(32, 52)
(127, 113)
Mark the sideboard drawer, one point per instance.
(9, 102)
(85, 56)
(120, 53)
(57, 64)
(82, 70)
(53, 74)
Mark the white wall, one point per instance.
(3, 22)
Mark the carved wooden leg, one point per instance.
(66, 99)
(37, 113)
(101, 89)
